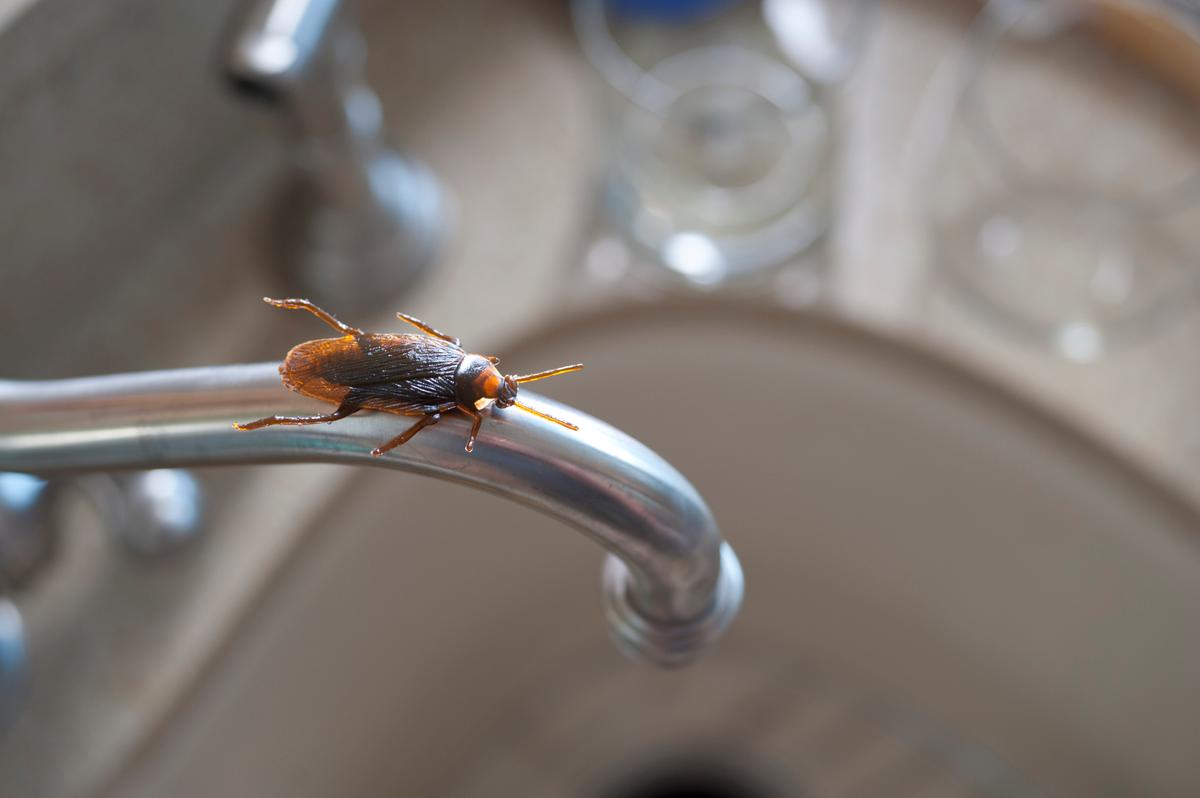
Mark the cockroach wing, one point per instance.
(395, 373)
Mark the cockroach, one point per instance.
(410, 375)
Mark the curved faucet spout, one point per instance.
(671, 584)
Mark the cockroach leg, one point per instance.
(271, 421)
(476, 422)
(325, 316)
(404, 437)
(425, 328)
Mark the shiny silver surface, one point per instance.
(669, 594)
(364, 222)
(26, 528)
(151, 512)
(275, 44)
(12, 662)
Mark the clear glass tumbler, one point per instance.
(1066, 199)
(719, 124)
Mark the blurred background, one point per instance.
(907, 289)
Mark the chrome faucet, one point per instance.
(671, 584)
(149, 512)
(364, 222)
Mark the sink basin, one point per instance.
(948, 592)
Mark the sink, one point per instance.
(948, 592)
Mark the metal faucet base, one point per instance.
(355, 257)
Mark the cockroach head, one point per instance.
(508, 392)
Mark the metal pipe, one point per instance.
(364, 220)
(273, 44)
(671, 584)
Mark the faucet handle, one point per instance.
(364, 222)
(273, 45)
(149, 512)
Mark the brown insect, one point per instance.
(410, 375)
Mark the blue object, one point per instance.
(668, 11)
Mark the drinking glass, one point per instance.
(719, 125)
(1065, 204)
